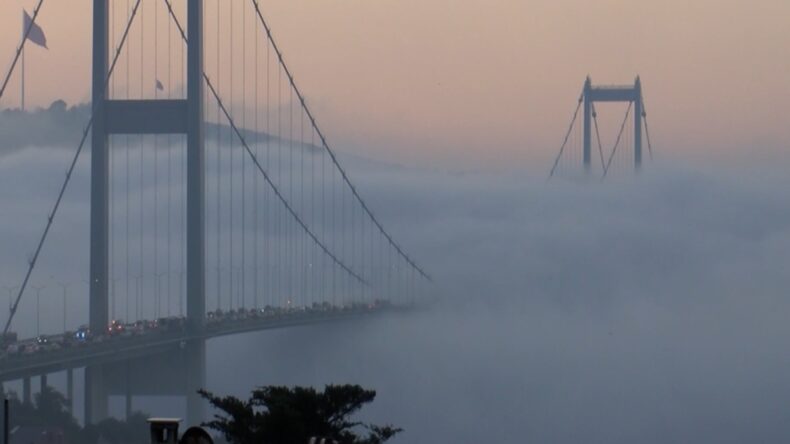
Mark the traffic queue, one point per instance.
(11, 345)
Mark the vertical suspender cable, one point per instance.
(617, 142)
(128, 187)
(314, 181)
(243, 158)
(275, 189)
(280, 227)
(255, 180)
(647, 130)
(267, 219)
(567, 135)
(113, 268)
(231, 228)
(169, 164)
(183, 207)
(156, 167)
(219, 168)
(329, 151)
(303, 244)
(142, 185)
(291, 224)
(72, 165)
(323, 280)
(598, 136)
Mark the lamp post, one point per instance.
(158, 293)
(65, 287)
(180, 292)
(138, 287)
(114, 299)
(38, 307)
(87, 283)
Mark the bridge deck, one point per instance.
(122, 348)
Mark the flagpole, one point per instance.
(23, 78)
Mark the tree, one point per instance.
(283, 415)
(50, 409)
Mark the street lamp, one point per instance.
(181, 295)
(38, 307)
(114, 299)
(139, 290)
(158, 293)
(65, 287)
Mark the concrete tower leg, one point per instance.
(95, 390)
(196, 260)
(100, 175)
(587, 125)
(638, 109)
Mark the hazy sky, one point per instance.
(649, 310)
(462, 83)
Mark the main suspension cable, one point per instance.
(328, 149)
(20, 48)
(260, 168)
(51, 217)
(567, 135)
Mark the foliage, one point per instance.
(283, 415)
(50, 409)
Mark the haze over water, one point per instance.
(645, 308)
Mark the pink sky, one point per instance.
(460, 83)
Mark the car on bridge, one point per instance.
(11, 346)
(116, 328)
(83, 334)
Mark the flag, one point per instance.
(159, 85)
(36, 34)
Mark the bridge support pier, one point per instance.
(128, 393)
(195, 365)
(43, 384)
(70, 390)
(26, 390)
(96, 395)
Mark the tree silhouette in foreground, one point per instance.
(50, 409)
(283, 415)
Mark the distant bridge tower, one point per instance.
(183, 116)
(619, 93)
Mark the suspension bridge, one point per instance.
(217, 207)
(577, 146)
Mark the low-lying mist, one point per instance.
(647, 308)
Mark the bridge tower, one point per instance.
(182, 116)
(619, 93)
